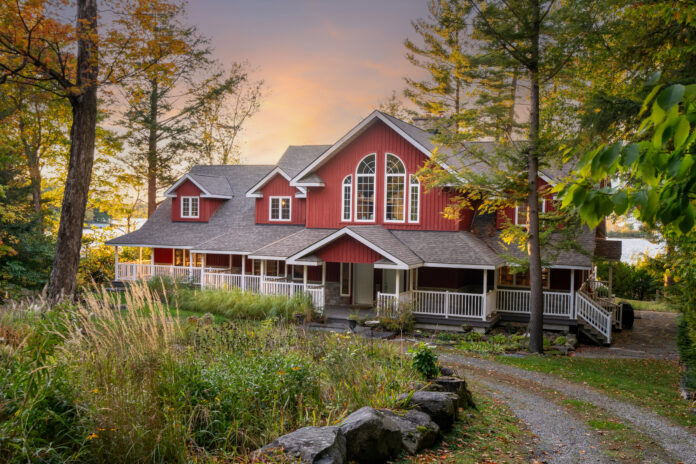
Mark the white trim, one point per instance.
(546, 178)
(339, 233)
(410, 198)
(463, 266)
(354, 132)
(350, 199)
(404, 183)
(280, 209)
(169, 193)
(198, 207)
(577, 268)
(218, 252)
(252, 192)
(350, 280)
(266, 258)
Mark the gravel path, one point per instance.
(560, 437)
(674, 439)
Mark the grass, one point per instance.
(660, 306)
(493, 434)
(93, 383)
(646, 382)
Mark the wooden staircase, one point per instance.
(597, 314)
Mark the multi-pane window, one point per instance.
(280, 209)
(507, 278)
(365, 189)
(521, 214)
(395, 192)
(347, 197)
(414, 199)
(189, 207)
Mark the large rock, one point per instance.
(310, 445)
(456, 385)
(440, 406)
(371, 436)
(418, 431)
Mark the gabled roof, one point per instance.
(456, 249)
(417, 137)
(295, 158)
(291, 244)
(212, 186)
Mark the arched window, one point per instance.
(414, 199)
(395, 191)
(365, 189)
(347, 197)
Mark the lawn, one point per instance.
(493, 434)
(660, 306)
(646, 382)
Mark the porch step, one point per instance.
(593, 334)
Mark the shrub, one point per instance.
(425, 361)
(687, 352)
(402, 321)
(474, 336)
(560, 340)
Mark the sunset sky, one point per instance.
(326, 63)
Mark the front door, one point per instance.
(363, 278)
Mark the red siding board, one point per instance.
(324, 204)
(206, 206)
(217, 260)
(278, 186)
(348, 250)
(163, 255)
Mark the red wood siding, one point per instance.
(348, 250)
(163, 255)
(206, 206)
(324, 204)
(509, 212)
(278, 186)
(216, 260)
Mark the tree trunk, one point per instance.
(536, 297)
(152, 152)
(63, 281)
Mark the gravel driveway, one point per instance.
(672, 438)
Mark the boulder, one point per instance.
(418, 431)
(309, 445)
(440, 406)
(456, 385)
(371, 436)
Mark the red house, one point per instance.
(351, 224)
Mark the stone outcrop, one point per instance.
(440, 406)
(417, 430)
(371, 436)
(310, 445)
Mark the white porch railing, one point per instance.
(556, 304)
(246, 282)
(449, 304)
(594, 315)
(387, 304)
(290, 289)
(144, 271)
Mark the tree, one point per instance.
(220, 118)
(393, 106)
(509, 41)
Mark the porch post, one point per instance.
(243, 272)
(572, 293)
(190, 264)
(323, 274)
(304, 278)
(485, 291)
(611, 272)
(140, 255)
(412, 276)
(116, 264)
(203, 271)
(398, 281)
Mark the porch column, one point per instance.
(398, 281)
(412, 275)
(485, 291)
(116, 264)
(304, 277)
(203, 271)
(190, 264)
(243, 272)
(572, 293)
(323, 274)
(140, 255)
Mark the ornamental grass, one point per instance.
(99, 383)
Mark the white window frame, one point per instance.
(340, 280)
(374, 186)
(410, 198)
(386, 182)
(280, 209)
(349, 199)
(190, 200)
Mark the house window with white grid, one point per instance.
(280, 208)
(414, 199)
(189, 207)
(347, 197)
(395, 191)
(365, 189)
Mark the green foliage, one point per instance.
(560, 340)
(402, 321)
(635, 281)
(424, 361)
(687, 350)
(89, 384)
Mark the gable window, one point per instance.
(189, 207)
(347, 197)
(395, 191)
(414, 199)
(521, 214)
(365, 189)
(280, 208)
